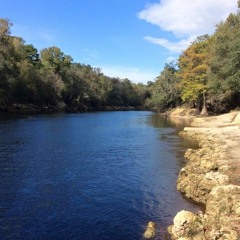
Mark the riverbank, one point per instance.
(61, 107)
(182, 113)
(211, 177)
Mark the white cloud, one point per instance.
(186, 19)
(135, 75)
(174, 47)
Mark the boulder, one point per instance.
(151, 230)
(187, 225)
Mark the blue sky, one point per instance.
(125, 38)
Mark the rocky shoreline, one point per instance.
(211, 177)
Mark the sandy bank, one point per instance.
(211, 177)
(182, 113)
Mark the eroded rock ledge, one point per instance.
(211, 177)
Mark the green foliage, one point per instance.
(50, 78)
(193, 65)
(54, 58)
(208, 73)
(8, 62)
(165, 92)
(224, 65)
(209, 69)
(125, 93)
(31, 54)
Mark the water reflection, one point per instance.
(160, 121)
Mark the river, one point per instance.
(88, 176)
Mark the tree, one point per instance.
(54, 58)
(51, 78)
(5, 25)
(143, 92)
(224, 65)
(165, 91)
(193, 66)
(31, 54)
(8, 68)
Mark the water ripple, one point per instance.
(88, 176)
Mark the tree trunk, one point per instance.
(204, 111)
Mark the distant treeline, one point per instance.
(51, 80)
(207, 73)
(206, 76)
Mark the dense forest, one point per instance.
(206, 76)
(50, 80)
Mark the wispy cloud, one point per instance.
(174, 47)
(90, 55)
(39, 37)
(136, 75)
(46, 35)
(185, 19)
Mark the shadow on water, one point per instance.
(170, 128)
(159, 121)
(175, 125)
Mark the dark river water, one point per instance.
(91, 176)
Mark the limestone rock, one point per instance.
(151, 230)
(222, 217)
(209, 177)
(186, 225)
(212, 180)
